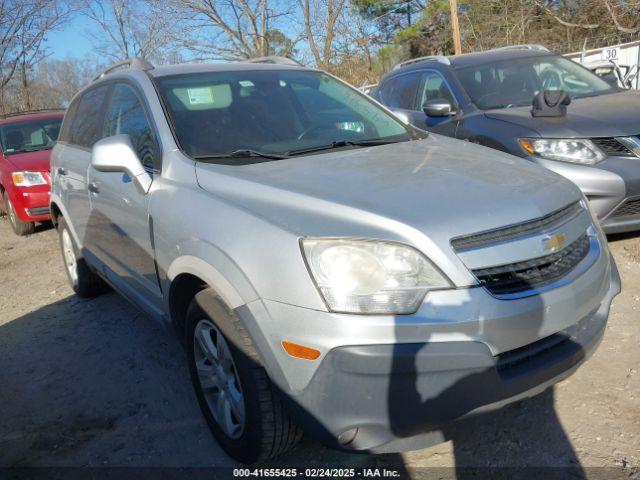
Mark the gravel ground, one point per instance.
(96, 383)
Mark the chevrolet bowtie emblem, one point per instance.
(553, 243)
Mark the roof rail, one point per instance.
(436, 58)
(532, 46)
(31, 112)
(274, 59)
(132, 63)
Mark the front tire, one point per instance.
(244, 412)
(19, 227)
(82, 279)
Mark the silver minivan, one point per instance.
(327, 267)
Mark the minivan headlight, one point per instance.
(370, 276)
(578, 150)
(28, 179)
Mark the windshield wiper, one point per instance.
(340, 144)
(242, 153)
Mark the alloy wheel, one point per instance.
(11, 212)
(218, 378)
(69, 255)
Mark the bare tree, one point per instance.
(232, 29)
(598, 15)
(132, 28)
(50, 83)
(321, 19)
(24, 24)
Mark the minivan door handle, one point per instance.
(93, 188)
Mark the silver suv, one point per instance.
(327, 266)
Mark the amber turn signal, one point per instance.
(300, 351)
(526, 144)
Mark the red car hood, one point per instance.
(30, 161)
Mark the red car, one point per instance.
(26, 140)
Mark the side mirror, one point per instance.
(116, 154)
(438, 107)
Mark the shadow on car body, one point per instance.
(95, 383)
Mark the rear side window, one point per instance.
(400, 92)
(126, 115)
(86, 125)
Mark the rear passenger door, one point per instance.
(119, 211)
(82, 128)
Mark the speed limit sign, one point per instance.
(610, 53)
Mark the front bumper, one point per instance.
(392, 383)
(32, 204)
(609, 185)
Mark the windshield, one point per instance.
(271, 112)
(516, 82)
(29, 136)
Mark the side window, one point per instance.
(126, 115)
(400, 92)
(86, 124)
(435, 88)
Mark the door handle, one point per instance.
(93, 188)
(62, 171)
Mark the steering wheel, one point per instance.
(312, 128)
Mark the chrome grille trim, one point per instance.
(531, 227)
(538, 275)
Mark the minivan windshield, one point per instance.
(271, 114)
(30, 135)
(516, 82)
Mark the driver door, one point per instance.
(434, 87)
(121, 230)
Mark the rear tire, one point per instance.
(19, 227)
(256, 426)
(83, 280)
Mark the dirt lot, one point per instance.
(96, 383)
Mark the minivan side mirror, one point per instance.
(438, 107)
(116, 154)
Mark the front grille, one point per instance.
(548, 222)
(36, 212)
(611, 146)
(630, 207)
(534, 273)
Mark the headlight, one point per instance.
(369, 276)
(569, 150)
(28, 179)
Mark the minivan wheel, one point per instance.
(83, 280)
(19, 227)
(244, 412)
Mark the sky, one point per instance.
(71, 40)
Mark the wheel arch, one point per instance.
(188, 275)
(56, 213)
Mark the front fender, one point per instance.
(214, 267)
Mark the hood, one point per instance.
(439, 186)
(612, 115)
(30, 161)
